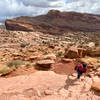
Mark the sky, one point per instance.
(14, 8)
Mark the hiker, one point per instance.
(81, 68)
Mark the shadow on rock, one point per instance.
(70, 82)
(42, 68)
(95, 92)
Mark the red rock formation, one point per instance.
(14, 25)
(56, 22)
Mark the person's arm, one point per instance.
(75, 68)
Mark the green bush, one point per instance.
(23, 45)
(98, 58)
(45, 53)
(59, 54)
(4, 70)
(16, 63)
(28, 64)
(45, 42)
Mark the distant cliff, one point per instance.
(56, 22)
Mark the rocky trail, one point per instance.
(48, 86)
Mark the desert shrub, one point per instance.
(12, 41)
(23, 45)
(98, 58)
(82, 43)
(28, 64)
(21, 50)
(57, 38)
(62, 45)
(5, 69)
(45, 42)
(5, 38)
(59, 54)
(16, 63)
(45, 53)
(34, 39)
(96, 43)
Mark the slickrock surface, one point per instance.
(47, 86)
(96, 86)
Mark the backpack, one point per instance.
(84, 67)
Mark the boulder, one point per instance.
(49, 56)
(93, 52)
(17, 56)
(82, 52)
(98, 69)
(96, 52)
(72, 52)
(98, 74)
(31, 50)
(95, 78)
(45, 63)
(91, 62)
(48, 92)
(96, 86)
(65, 60)
(91, 44)
(33, 58)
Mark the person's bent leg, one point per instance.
(79, 74)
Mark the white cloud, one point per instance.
(44, 3)
(88, 6)
(13, 8)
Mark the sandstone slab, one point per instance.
(72, 52)
(45, 63)
(96, 86)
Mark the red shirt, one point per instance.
(80, 68)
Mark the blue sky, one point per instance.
(14, 8)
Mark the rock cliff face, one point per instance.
(56, 22)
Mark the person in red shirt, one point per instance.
(81, 68)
